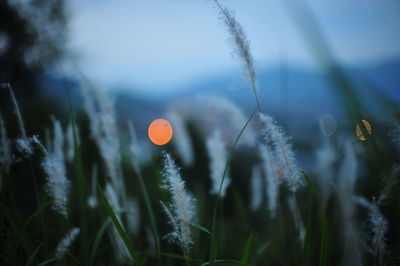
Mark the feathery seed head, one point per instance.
(181, 139)
(283, 152)
(272, 180)
(218, 158)
(66, 243)
(181, 210)
(256, 188)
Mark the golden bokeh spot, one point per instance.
(160, 131)
(359, 132)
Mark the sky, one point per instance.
(155, 46)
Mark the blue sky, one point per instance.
(156, 45)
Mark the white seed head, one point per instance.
(133, 215)
(256, 188)
(58, 185)
(232, 113)
(24, 146)
(283, 152)
(217, 154)
(181, 140)
(66, 243)
(5, 145)
(181, 210)
(272, 181)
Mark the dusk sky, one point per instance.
(157, 45)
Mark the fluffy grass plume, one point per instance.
(5, 145)
(103, 130)
(378, 226)
(256, 188)
(66, 243)
(283, 152)
(180, 211)
(181, 140)
(347, 178)
(92, 200)
(217, 154)
(120, 250)
(57, 186)
(272, 181)
(133, 215)
(240, 44)
(233, 114)
(70, 141)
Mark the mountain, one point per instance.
(290, 93)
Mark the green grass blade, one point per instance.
(311, 185)
(97, 239)
(260, 250)
(121, 231)
(201, 228)
(324, 241)
(213, 244)
(33, 255)
(36, 213)
(149, 208)
(225, 262)
(247, 248)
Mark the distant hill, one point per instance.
(290, 93)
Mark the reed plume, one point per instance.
(217, 154)
(58, 186)
(240, 44)
(282, 151)
(66, 243)
(180, 211)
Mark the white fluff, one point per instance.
(283, 152)
(24, 146)
(218, 158)
(58, 140)
(181, 139)
(92, 200)
(232, 113)
(272, 181)
(378, 226)
(256, 188)
(133, 215)
(180, 211)
(70, 141)
(66, 243)
(347, 179)
(121, 251)
(58, 186)
(325, 157)
(240, 44)
(103, 129)
(5, 145)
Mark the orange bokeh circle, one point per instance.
(160, 131)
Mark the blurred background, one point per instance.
(320, 66)
(147, 54)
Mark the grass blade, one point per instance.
(36, 213)
(247, 248)
(121, 231)
(32, 256)
(97, 239)
(201, 228)
(47, 262)
(213, 251)
(225, 261)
